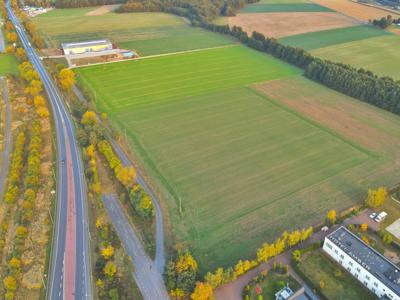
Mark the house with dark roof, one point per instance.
(363, 262)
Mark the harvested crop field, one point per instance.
(283, 24)
(379, 55)
(284, 7)
(320, 39)
(355, 10)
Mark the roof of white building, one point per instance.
(86, 44)
(367, 257)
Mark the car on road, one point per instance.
(373, 215)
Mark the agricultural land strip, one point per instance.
(355, 10)
(325, 38)
(8, 65)
(379, 55)
(284, 7)
(283, 24)
(147, 33)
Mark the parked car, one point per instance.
(379, 218)
(373, 215)
(325, 229)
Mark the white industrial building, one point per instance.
(85, 47)
(371, 268)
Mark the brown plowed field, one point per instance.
(283, 24)
(355, 10)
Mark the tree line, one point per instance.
(385, 22)
(383, 92)
(194, 10)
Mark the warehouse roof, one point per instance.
(86, 44)
(367, 257)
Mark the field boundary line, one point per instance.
(367, 152)
(158, 55)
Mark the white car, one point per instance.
(382, 216)
(373, 215)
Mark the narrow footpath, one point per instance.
(7, 137)
(146, 274)
(160, 253)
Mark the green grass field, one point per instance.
(325, 38)
(147, 33)
(379, 54)
(8, 65)
(317, 267)
(239, 166)
(284, 7)
(168, 78)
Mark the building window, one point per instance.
(340, 261)
(350, 263)
(329, 245)
(391, 296)
(358, 270)
(373, 290)
(366, 283)
(367, 277)
(356, 275)
(348, 269)
(342, 256)
(376, 284)
(336, 251)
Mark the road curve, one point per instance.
(7, 137)
(160, 252)
(147, 276)
(70, 274)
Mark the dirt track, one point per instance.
(355, 10)
(283, 24)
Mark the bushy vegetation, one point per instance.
(200, 10)
(264, 253)
(265, 285)
(385, 22)
(180, 274)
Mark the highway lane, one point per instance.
(7, 137)
(160, 251)
(146, 274)
(71, 234)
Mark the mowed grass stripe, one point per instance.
(141, 82)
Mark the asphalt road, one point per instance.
(159, 261)
(2, 43)
(160, 253)
(146, 274)
(70, 274)
(7, 137)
